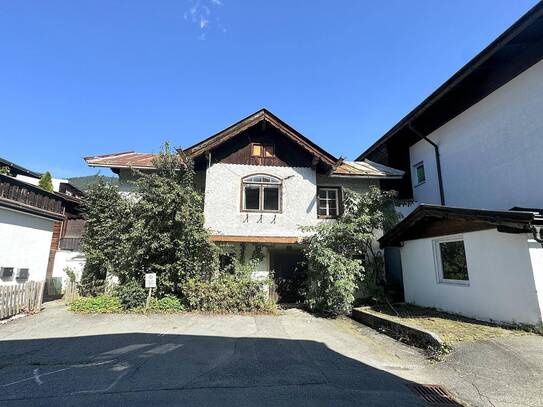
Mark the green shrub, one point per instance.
(343, 257)
(131, 295)
(102, 304)
(168, 303)
(227, 293)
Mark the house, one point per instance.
(262, 180)
(472, 153)
(40, 230)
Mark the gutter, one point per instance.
(438, 160)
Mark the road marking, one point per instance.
(37, 376)
(34, 377)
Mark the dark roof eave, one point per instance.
(511, 219)
(20, 207)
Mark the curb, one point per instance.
(397, 330)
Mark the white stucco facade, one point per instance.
(491, 153)
(505, 278)
(222, 208)
(25, 241)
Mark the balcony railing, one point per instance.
(21, 193)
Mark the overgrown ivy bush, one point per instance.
(343, 256)
(131, 295)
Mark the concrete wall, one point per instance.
(501, 278)
(491, 153)
(25, 241)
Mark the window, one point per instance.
(261, 193)
(328, 200)
(451, 261)
(22, 274)
(420, 175)
(262, 150)
(6, 272)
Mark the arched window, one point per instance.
(261, 193)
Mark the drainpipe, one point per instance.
(438, 160)
(537, 231)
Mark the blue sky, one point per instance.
(91, 77)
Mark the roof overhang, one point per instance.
(514, 51)
(125, 159)
(434, 220)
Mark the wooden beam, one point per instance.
(256, 239)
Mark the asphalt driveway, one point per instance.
(60, 358)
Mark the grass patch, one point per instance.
(450, 328)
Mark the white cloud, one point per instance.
(200, 13)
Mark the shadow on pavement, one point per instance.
(152, 369)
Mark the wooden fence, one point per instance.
(18, 298)
(71, 293)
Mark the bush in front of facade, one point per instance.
(227, 293)
(103, 304)
(131, 295)
(166, 304)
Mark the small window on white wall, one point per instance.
(420, 175)
(451, 264)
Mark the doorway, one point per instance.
(289, 274)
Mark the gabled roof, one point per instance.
(514, 51)
(263, 115)
(365, 169)
(126, 159)
(435, 220)
(337, 167)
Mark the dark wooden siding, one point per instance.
(238, 149)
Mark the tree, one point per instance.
(159, 228)
(343, 256)
(168, 234)
(107, 219)
(46, 181)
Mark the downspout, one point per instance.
(537, 232)
(438, 160)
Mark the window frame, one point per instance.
(439, 263)
(261, 186)
(263, 149)
(416, 177)
(339, 200)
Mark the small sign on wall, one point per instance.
(150, 280)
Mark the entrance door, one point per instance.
(288, 275)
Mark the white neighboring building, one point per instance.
(262, 181)
(477, 263)
(39, 230)
(475, 143)
(27, 218)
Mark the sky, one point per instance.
(90, 77)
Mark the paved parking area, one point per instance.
(60, 358)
